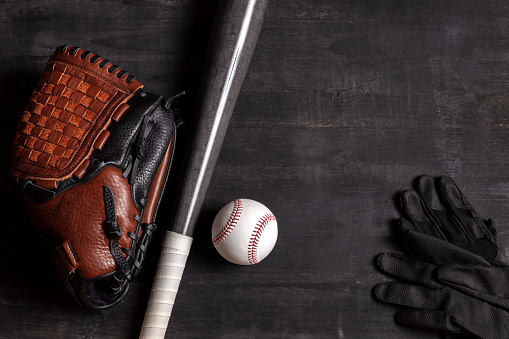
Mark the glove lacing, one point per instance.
(130, 265)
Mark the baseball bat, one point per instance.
(233, 39)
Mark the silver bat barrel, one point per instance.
(234, 36)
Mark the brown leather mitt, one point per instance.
(91, 155)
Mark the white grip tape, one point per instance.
(172, 261)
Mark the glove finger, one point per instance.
(436, 320)
(437, 210)
(470, 231)
(483, 320)
(479, 318)
(461, 208)
(418, 217)
(405, 224)
(408, 295)
(439, 251)
(482, 282)
(407, 268)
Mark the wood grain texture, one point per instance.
(344, 104)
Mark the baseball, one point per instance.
(244, 232)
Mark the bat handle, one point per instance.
(174, 253)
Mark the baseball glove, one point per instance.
(91, 156)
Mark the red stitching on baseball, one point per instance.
(238, 205)
(252, 253)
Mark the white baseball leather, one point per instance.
(244, 232)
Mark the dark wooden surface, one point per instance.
(345, 103)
